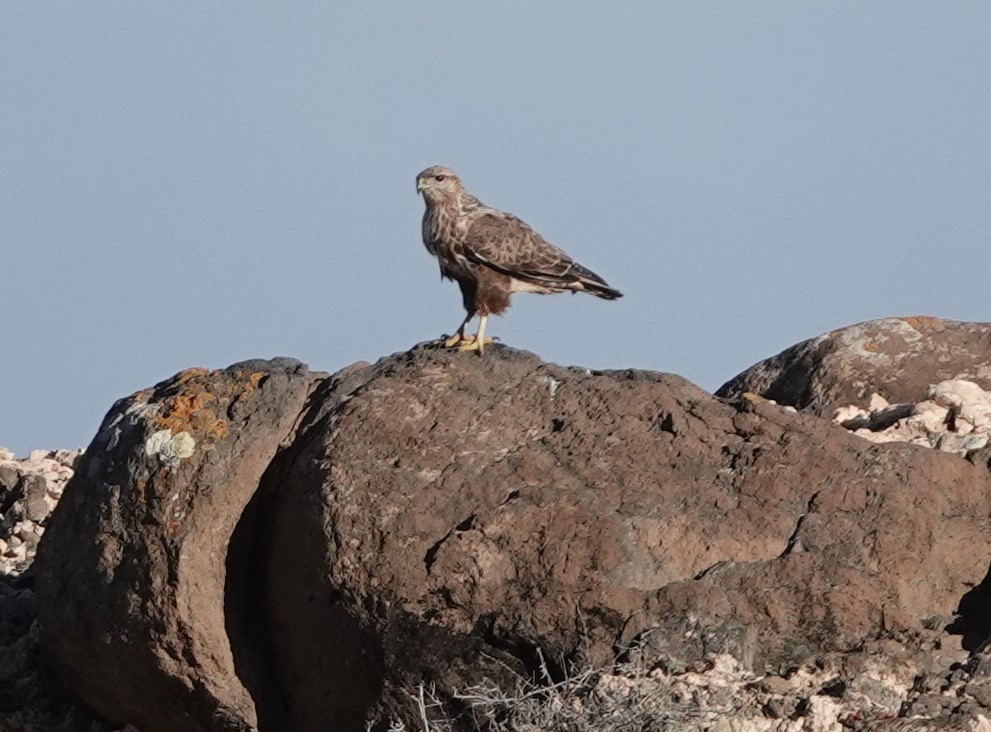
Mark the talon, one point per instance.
(471, 343)
(478, 341)
(463, 342)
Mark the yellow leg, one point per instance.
(477, 342)
(459, 335)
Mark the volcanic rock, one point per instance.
(460, 518)
(135, 568)
(899, 358)
(268, 548)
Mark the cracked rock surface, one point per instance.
(137, 575)
(269, 548)
(445, 520)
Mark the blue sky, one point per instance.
(193, 184)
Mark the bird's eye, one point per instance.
(439, 178)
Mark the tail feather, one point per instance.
(594, 284)
(600, 289)
(575, 278)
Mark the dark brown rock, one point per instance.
(35, 489)
(133, 570)
(31, 698)
(328, 545)
(898, 358)
(446, 519)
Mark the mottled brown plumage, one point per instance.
(492, 254)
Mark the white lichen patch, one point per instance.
(170, 449)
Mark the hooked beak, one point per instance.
(420, 185)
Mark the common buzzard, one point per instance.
(492, 254)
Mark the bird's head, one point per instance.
(438, 184)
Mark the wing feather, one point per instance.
(507, 244)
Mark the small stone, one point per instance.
(881, 695)
(980, 691)
(780, 707)
(30, 539)
(776, 685)
(928, 683)
(930, 705)
(929, 416)
(960, 444)
(958, 675)
(9, 475)
(981, 665)
(68, 458)
(38, 455)
(851, 417)
(6, 454)
(877, 402)
(35, 490)
(36, 509)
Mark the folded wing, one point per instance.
(508, 245)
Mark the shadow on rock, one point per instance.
(973, 620)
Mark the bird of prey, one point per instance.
(492, 254)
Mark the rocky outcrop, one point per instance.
(956, 417)
(137, 573)
(267, 548)
(29, 490)
(462, 518)
(898, 358)
(31, 698)
(878, 687)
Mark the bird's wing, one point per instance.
(506, 244)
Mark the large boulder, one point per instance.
(447, 520)
(141, 597)
(898, 358)
(263, 548)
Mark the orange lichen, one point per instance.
(871, 346)
(923, 322)
(199, 405)
(245, 383)
(184, 376)
(189, 411)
